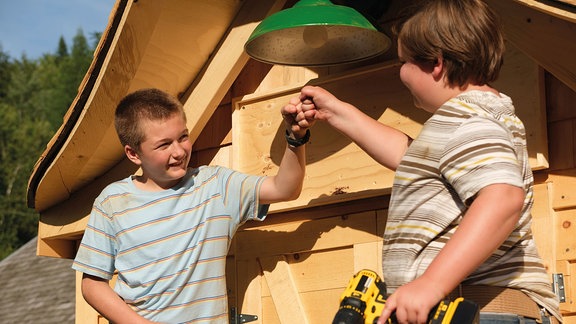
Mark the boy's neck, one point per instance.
(145, 184)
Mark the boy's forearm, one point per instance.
(485, 226)
(287, 183)
(103, 299)
(385, 144)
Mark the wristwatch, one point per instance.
(297, 142)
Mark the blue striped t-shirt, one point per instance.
(169, 248)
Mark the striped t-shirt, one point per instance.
(169, 248)
(472, 141)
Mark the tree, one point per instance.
(34, 96)
(62, 51)
(5, 71)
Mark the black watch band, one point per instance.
(297, 142)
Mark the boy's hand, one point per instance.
(412, 302)
(295, 118)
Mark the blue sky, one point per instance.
(34, 27)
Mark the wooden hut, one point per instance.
(293, 267)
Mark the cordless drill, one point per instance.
(364, 299)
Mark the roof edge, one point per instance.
(78, 106)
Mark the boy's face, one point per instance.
(164, 154)
(419, 80)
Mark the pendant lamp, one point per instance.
(315, 33)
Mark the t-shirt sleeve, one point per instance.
(97, 250)
(480, 153)
(241, 195)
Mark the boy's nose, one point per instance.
(178, 150)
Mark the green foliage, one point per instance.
(34, 96)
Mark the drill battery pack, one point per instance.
(364, 299)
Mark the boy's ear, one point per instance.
(438, 68)
(132, 154)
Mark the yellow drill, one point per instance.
(364, 299)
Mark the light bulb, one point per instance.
(315, 36)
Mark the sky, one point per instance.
(34, 27)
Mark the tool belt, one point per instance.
(491, 299)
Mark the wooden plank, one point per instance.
(283, 290)
(218, 130)
(249, 287)
(568, 2)
(213, 82)
(368, 256)
(269, 314)
(320, 270)
(543, 220)
(565, 238)
(547, 36)
(331, 175)
(67, 220)
(564, 196)
(231, 278)
(523, 80)
(562, 144)
(77, 163)
(555, 8)
(336, 168)
(313, 235)
(568, 270)
(559, 100)
(321, 306)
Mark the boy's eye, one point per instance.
(184, 138)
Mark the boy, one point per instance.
(167, 232)
(459, 215)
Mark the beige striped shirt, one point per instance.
(472, 141)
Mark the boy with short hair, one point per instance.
(459, 216)
(166, 233)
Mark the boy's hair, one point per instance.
(144, 104)
(466, 34)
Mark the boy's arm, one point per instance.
(486, 225)
(98, 293)
(287, 183)
(383, 143)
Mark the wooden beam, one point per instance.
(92, 147)
(283, 290)
(547, 36)
(214, 81)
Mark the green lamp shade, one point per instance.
(315, 33)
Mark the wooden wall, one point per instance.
(557, 188)
(295, 265)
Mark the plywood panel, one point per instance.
(564, 195)
(336, 168)
(249, 288)
(562, 135)
(543, 227)
(283, 290)
(521, 79)
(314, 277)
(568, 270)
(305, 236)
(566, 238)
(544, 33)
(325, 269)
